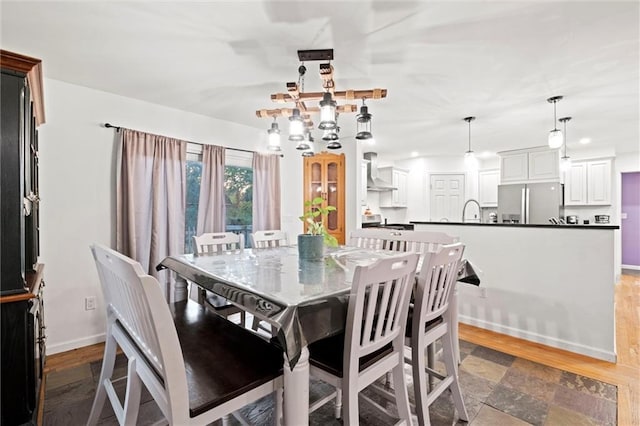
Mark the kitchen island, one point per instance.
(551, 284)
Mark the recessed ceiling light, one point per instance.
(486, 154)
(585, 141)
(414, 153)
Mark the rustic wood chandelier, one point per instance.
(299, 116)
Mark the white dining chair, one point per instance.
(266, 240)
(269, 239)
(373, 341)
(213, 243)
(197, 366)
(430, 321)
(425, 243)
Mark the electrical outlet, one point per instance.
(89, 303)
(483, 293)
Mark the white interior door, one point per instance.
(447, 197)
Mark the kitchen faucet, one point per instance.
(470, 200)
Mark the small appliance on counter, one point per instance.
(493, 217)
(602, 218)
(572, 219)
(375, 221)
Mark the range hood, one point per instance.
(374, 183)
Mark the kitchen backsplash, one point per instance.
(589, 212)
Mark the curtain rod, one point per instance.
(111, 126)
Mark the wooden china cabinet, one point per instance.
(21, 287)
(324, 177)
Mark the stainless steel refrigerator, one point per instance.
(531, 203)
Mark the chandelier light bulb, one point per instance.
(296, 126)
(363, 123)
(327, 112)
(274, 137)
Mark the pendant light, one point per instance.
(565, 160)
(307, 146)
(274, 136)
(296, 126)
(306, 142)
(332, 138)
(327, 112)
(555, 136)
(470, 159)
(363, 123)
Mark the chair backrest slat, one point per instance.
(422, 242)
(434, 289)
(217, 242)
(378, 304)
(269, 239)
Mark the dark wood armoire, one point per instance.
(22, 336)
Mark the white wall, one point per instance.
(77, 181)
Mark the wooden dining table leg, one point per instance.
(296, 391)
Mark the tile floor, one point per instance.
(499, 389)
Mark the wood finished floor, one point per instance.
(625, 374)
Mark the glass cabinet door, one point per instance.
(324, 177)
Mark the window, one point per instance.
(238, 189)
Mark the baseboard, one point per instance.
(634, 267)
(75, 344)
(538, 338)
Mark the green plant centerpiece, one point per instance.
(311, 244)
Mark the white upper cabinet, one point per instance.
(399, 178)
(526, 165)
(575, 185)
(588, 183)
(514, 167)
(488, 181)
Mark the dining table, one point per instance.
(303, 300)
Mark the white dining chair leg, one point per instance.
(451, 364)
(453, 320)
(402, 396)
(338, 408)
(420, 379)
(108, 363)
(279, 421)
(132, 394)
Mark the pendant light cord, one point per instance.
(555, 125)
(469, 136)
(565, 138)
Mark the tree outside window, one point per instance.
(238, 189)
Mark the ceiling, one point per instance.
(440, 62)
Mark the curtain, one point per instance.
(211, 207)
(266, 192)
(150, 199)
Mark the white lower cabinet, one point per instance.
(588, 183)
(488, 181)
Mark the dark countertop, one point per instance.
(521, 225)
